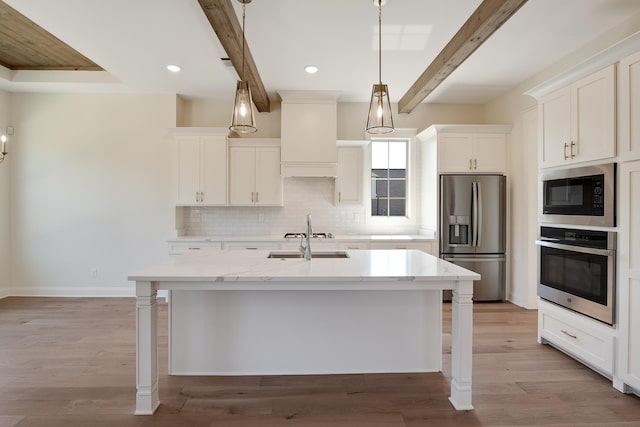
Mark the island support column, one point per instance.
(461, 345)
(147, 399)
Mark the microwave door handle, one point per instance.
(580, 249)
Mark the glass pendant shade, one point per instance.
(380, 119)
(243, 119)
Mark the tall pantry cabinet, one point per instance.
(629, 222)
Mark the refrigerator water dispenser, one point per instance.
(458, 229)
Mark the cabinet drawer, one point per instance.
(589, 341)
(251, 245)
(423, 246)
(182, 248)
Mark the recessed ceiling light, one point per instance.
(311, 69)
(173, 68)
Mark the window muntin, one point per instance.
(389, 178)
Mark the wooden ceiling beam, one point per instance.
(224, 22)
(484, 21)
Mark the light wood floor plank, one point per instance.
(71, 362)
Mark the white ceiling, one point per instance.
(135, 39)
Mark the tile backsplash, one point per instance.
(301, 196)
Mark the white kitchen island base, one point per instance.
(316, 297)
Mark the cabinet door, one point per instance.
(188, 170)
(268, 182)
(213, 179)
(629, 97)
(490, 153)
(629, 274)
(554, 112)
(349, 179)
(593, 117)
(455, 153)
(241, 176)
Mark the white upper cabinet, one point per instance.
(349, 177)
(577, 122)
(629, 110)
(201, 169)
(476, 150)
(472, 153)
(254, 176)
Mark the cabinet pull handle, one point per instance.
(201, 196)
(339, 196)
(564, 151)
(470, 164)
(257, 196)
(197, 197)
(252, 197)
(568, 334)
(194, 249)
(475, 164)
(573, 144)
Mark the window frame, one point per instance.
(409, 221)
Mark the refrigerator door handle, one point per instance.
(474, 213)
(479, 209)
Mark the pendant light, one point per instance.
(243, 119)
(380, 119)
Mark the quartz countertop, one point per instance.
(280, 238)
(254, 266)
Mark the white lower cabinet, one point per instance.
(629, 278)
(585, 339)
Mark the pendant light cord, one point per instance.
(243, 39)
(380, 41)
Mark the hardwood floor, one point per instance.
(71, 362)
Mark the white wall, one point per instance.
(514, 107)
(4, 202)
(90, 182)
(351, 117)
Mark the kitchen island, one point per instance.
(315, 311)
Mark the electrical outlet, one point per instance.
(94, 273)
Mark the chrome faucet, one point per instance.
(306, 249)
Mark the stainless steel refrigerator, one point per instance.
(472, 230)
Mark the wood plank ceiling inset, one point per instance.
(225, 23)
(26, 46)
(482, 23)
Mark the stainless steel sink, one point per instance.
(318, 254)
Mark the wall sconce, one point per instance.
(3, 153)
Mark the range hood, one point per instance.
(309, 134)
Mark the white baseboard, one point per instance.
(75, 292)
(94, 291)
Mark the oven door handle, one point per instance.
(581, 249)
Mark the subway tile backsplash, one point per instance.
(301, 196)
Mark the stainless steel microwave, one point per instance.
(579, 196)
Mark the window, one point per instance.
(389, 178)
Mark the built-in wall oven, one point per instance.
(577, 270)
(579, 196)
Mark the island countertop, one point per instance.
(254, 265)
